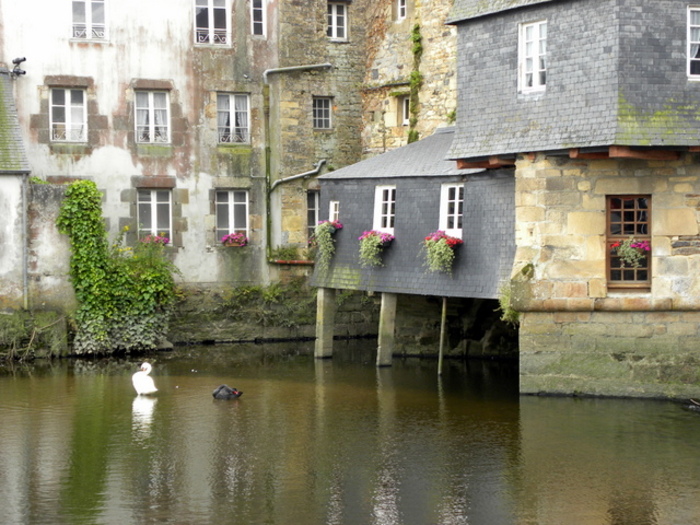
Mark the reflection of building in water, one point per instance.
(142, 414)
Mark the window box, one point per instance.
(372, 244)
(440, 251)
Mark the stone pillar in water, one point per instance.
(387, 323)
(325, 322)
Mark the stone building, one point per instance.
(215, 119)
(593, 105)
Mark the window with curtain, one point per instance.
(152, 116)
(257, 17)
(154, 208)
(629, 226)
(231, 212)
(401, 9)
(337, 21)
(451, 209)
(211, 22)
(694, 42)
(89, 19)
(533, 56)
(384, 208)
(233, 117)
(68, 115)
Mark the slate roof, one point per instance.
(426, 157)
(466, 9)
(13, 158)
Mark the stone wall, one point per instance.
(577, 335)
(390, 60)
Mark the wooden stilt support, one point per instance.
(325, 322)
(387, 324)
(443, 323)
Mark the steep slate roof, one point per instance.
(466, 9)
(420, 158)
(13, 158)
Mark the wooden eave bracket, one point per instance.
(493, 162)
(625, 152)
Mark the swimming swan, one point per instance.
(143, 383)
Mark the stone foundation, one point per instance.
(628, 353)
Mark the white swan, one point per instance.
(143, 383)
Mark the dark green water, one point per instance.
(332, 442)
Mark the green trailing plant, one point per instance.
(631, 252)
(439, 251)
(415, 83)
(324, 242)
(372, 244)
(508, 314)
(125, 294)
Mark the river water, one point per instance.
(333, 441)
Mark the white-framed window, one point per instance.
(155, 213)
(89, 19)
(384, 208)
(68, 115)
(401, 9)
(211, 22)
(233, 117)
(334, 211)
(231, 212)
(313, 210)
(404, 110)
(257, 17)
(152, 116)
(533, 56)
(694, 42)
(322, 112)
(337, 21)
(451, 209)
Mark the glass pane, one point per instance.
(58, 114)
(222, 217)
(163, 218)
(163, 196)
(239, 217)
(144, 210)
(78, 12)
(220, 18)
(98, 13)
(58, 97)
(76, 97)
(141, 99)
(695, 17)
(159, 100)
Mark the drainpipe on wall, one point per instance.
(268, 151)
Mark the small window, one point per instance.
(211, 22)
(322, 112)
(404, 110)
(334, 211)
(401, 9)
(313, 208)
(231, 212)
(452, 209)
(257, 17)
(533, 56)
(384, 208)
(694, 42)
(152, 116)
(155, 213)
(89, 19)
(233, 118)
(337, 21)
(68, 115)
(629, 220)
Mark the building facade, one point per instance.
(593, 105)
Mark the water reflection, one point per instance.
(332, 442)
(142, 415)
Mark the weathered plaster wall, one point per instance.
(11, 242)
(575, 331)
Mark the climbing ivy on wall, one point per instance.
(125, 295)
(416, 81)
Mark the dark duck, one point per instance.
(226, 392)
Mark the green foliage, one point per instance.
(508, 314)
(36, 180)
(452, 116)
(439, 256)
(285, 253)
(371, 246)
(283, 305)
(125, 295)
(415, 83)
(324, 243)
